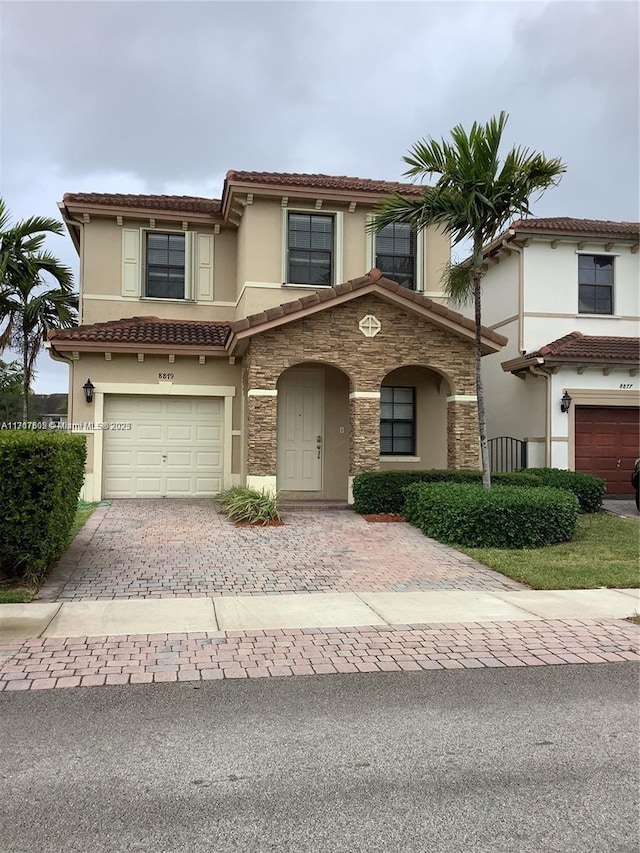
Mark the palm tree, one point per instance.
(29, 306)
(474, 196)
(11, 381)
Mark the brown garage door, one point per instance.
(607, 444)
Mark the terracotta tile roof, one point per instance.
(568, 225)
(323, 182)
(148, 330)
(576, 346)
(372, 277)
(181, 203)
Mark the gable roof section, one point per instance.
(578, 348)
(373, 282)
(144, 332)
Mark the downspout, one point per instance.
(71, 223)
(61, 357)
(538, 371)
(76, 223)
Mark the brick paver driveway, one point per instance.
(164, 548)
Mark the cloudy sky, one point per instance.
(166, 97)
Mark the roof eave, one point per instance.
(128, 347)
(520, 363)
(557, 234)
(302, 192)
(142, 212)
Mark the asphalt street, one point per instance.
(531, 760)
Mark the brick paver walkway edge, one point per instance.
(149, 658)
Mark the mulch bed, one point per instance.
(383, 516)
(273, 523)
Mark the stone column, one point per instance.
(262, 438)
(364, 431)
(463, 443)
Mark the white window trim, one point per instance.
(583, 314)
(371, 254)
(338, 245)
(189, 261)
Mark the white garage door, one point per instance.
(173, 449)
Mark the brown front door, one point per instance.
(607, 442)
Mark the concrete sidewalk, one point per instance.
(323, 610)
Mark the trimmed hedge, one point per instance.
(40, 478)
(508, 517)
(383, 491)
(589, 490)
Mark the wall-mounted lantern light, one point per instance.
(88, 389)
(565, 403)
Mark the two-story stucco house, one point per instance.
(242, 340)
(566, 293)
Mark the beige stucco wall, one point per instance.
(261, 270)
(248, 263)
(101, 286)
(128, 373)
(437, 255)
(431, 418)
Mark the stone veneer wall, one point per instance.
(332, 336)
(463, 442)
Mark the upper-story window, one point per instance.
(165, 266)
(395, 254)
(595, 284)
(311, 248)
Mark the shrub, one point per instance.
(504, 517)
(383, 491)
(40, 478)
(240, 503)
(589, 490)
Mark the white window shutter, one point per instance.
(204, 267)
(370, 243)
(131, 267)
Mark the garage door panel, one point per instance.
(209, 406)
(123, 458)
(209, 433)
(147, 459)
(210, 485)
(607, 442)
(174, 447)
(146, 431)
(180, 407)
(209, 459)
(182, 459)
(180, 433)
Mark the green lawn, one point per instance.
(605, 551)
(13, 592)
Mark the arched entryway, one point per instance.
(313, 431)
(413, 418)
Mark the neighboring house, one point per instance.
(566, 294)
(239, 341)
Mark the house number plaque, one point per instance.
(166, 375)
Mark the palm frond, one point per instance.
(457, 284)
